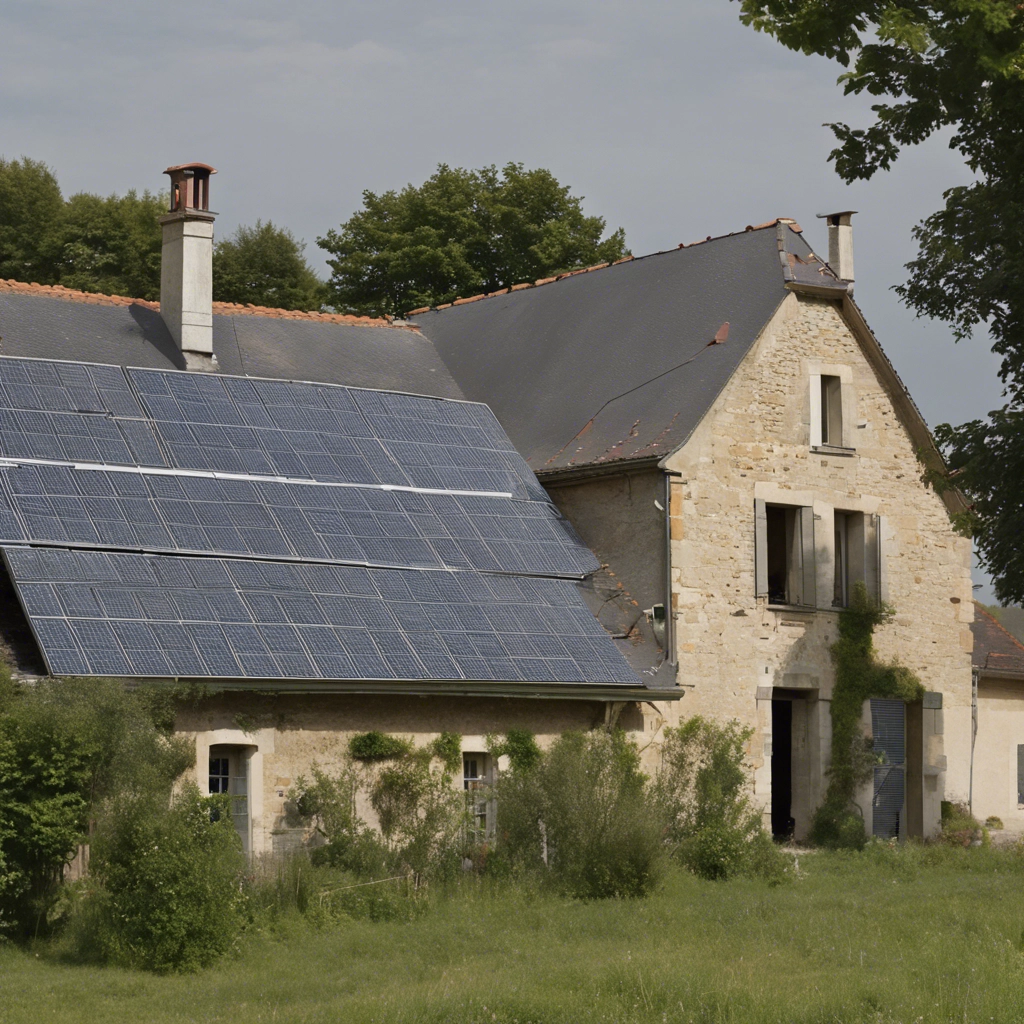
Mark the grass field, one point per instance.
(914, 935)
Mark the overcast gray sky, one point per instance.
(672, 119)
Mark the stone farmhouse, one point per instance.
(336, 522)
(724, 431)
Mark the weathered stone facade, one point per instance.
(278, 737)
(734, 650)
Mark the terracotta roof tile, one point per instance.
(56, 291)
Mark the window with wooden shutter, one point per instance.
(1020, 774)
(862, 538)
(784, 553)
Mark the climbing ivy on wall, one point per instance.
(859, 675)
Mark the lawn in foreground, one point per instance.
(882, 936)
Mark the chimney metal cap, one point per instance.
(190, 187)
(836, 218)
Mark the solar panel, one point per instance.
(146, 616)
(114, 509)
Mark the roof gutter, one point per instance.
(591, 470)
(551, 691)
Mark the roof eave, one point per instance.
(432, 688)
(587, 470)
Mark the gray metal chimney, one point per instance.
(186, 265)
(840, 243)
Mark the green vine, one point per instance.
(858, 676)
(378, 746)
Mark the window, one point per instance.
(856, 556)
(840, 587)
(831, 412)
(1020, 774)
(219, 775)
(229, 773)
(784, 553)
(828, 396)
(476, 783)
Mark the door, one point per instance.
(889, 729)
(229, 773)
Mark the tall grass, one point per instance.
(916, 934)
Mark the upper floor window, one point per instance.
(831, 411)
(831, 399)
(784, 553)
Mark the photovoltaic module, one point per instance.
(168, 524)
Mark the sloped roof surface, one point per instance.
(620, 363)
(37, 324)
(161, 524)
(995, 649)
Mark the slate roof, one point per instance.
(621, 362)
(995, 648)
(54, 323)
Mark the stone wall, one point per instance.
(755, 443)
(281, 736)
(1000, 731)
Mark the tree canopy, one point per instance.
(460, 233)
(265, 265)
(942, 64)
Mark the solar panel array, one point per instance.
(100, 613)
(162, 523)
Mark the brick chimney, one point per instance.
(840, 243)
(186, 265)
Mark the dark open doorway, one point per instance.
(782, 769)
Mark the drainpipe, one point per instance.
(975, 672)
(670, 622)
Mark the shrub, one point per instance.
(66, 746)
(700, 793)
(582, 809)
(421, 816)
(960, 827)
(329, 802)
(377, 746)
(170, 897)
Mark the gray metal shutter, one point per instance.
(888, 730)
(807, 587)
(760, 548)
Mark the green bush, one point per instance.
(65, 747)
(582, 810)
(377, 746)
(170, 881)
(421, 815)
(700, 794)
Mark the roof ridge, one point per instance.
(978, 606)
(58, 291)
(792, 224)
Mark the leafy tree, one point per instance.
(65, 746)
(110, 245)
(460, 233)
(30, 208)
(265, 265)
(958, 64)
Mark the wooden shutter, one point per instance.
(1020, 774)
(760, 548)
(872, 545)
(807, 581)
(815, 410)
